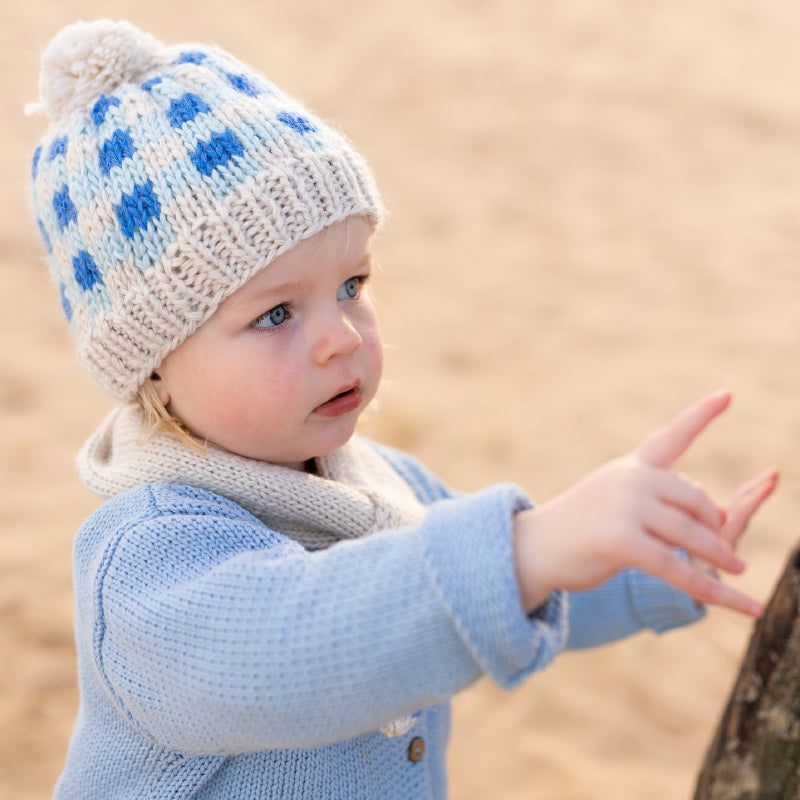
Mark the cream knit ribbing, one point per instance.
(356, 492)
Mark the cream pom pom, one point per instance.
(88, 59)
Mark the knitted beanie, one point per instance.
(169, 176)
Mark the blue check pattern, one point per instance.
(115, 161)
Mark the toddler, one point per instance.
(267, 604)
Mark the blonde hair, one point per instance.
(157, 419)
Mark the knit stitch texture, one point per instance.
(219, 658)
(169, 176)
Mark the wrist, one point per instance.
(529, 564)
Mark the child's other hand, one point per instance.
(634, 512)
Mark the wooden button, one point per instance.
(416, 749)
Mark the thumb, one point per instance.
(663, 447)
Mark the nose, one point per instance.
(335, 336)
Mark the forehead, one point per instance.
(336, 250)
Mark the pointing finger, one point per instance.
(664, 446)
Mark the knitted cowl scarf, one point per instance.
(355, 493)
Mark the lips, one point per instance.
(343, 403)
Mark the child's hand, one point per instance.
(635, 512)
(746, 501)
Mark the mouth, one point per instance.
(344, 402)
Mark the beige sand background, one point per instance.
(596, 214)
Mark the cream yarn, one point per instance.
(89, 59)
(169, 176)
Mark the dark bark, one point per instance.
(755, 753)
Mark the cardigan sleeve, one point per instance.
(215, 635)
(627, 603)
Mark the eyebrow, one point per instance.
(288, 287)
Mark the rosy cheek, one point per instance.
(372, 338)
(378, 353)
(373, 350)
(279, 386)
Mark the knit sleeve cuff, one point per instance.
(629, 602)
(471, 563)
(660, 606)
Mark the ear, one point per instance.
(161, 389)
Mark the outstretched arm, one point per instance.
(636, 512)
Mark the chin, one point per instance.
(332, 443)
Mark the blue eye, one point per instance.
(350, 289)
(274, 317)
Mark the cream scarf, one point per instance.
(355, 493)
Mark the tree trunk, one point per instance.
(755, 753)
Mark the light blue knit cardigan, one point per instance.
(218, 659)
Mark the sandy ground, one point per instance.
(596, 216)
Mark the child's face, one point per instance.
(289, 361)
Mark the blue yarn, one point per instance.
(191, 57)
(64, 208)
(186, 108)
(47, 243)
(216, 152)
(57, 148)
(65, 304)
(243, 84)
(86, 272)
(135, 209)
(116, 149)
(296, 122)
(37, 154)
(100, 108)
(149, 243)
